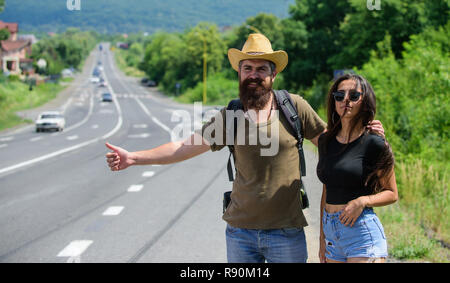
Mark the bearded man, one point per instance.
(264, 218)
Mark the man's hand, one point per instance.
(119, 159)
(376, 127)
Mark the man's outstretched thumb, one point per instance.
(110, 146)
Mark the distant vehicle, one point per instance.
(107, 97)
(50, 120)
(96, 72)
(95, 80)
(102, 84)
(148, 82)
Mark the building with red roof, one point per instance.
(13, 29)
(14, 52)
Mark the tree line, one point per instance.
(65, 50)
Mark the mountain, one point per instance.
(113, 16)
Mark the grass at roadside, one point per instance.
(119, 56)
(419, 221)
(16, 96)
(407, 239)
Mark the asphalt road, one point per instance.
(59, 202)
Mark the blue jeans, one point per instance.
(273, 246)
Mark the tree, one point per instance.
(267, 24)
(2, 5)
(311, 35)
(361, 29)
(173, 57)
(4, 34)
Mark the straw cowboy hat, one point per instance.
(258, 46)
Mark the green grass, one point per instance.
(119, 56)
(407, 239)
(16, 96)
(419, 220)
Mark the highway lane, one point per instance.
(71, 208)
(48, 205)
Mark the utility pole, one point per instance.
(204, 69)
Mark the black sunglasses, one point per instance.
(353, 95)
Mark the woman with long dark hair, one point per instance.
(357, 170)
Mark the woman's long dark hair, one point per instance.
(385, 163)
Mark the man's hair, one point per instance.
(271, 64)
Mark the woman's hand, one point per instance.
(352, 211)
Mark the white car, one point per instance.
(50, 120)
(95, 80)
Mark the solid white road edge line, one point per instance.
(83, 144)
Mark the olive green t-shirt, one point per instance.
(265, 192)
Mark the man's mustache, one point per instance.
(246, 82)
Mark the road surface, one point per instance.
(59, 202)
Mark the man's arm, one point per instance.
(315, 140)
(172, 152)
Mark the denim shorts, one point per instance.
(365, 238)
(286, 245)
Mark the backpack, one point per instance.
(285, 103)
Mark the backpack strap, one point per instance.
(289, 110)
(233, 105)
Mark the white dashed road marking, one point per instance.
(6, 139)
(139, 136)
(113, 211)
(36, 139)
(140, 126)
(135, 188)
(75, 249)
(148, 174)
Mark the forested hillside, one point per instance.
(112, 16)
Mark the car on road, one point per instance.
(148, 82)
(50, 120)
(95, 80)
(151, 83)
(107, 97)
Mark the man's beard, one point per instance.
(254, 98)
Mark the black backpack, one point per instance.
(285, 103)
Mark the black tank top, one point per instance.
(344, 168)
